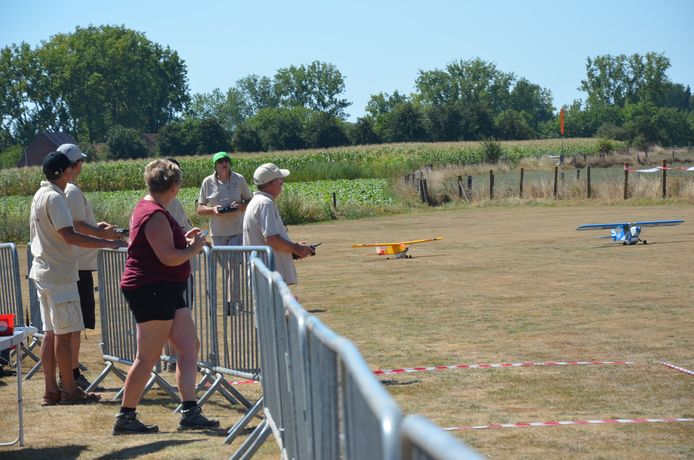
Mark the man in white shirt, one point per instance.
(54, 270)
(84, 221)
(262, 223)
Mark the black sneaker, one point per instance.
(192, 419)
(83, 383)
(127, 423)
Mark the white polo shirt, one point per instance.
(55, 261)
(263, 219)
(215, 192)
(82, 210)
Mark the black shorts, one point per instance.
(85, 286)
(158, 301)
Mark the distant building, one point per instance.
(42, 144)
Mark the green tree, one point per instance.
(362, 132)
(173, 140)
(638, 122)
(230, 109)
(316, 86)
(280, 128)
(671, 127)
(380, 108)
(406, 124)
(125, 143)
(258, 93)
(27, 101)
(444, 121)
(90, 80)
(247, 139)
(210, 136)
(621, 80)
(533, 100)
(512, 124)
(324, 130)
(473, 81)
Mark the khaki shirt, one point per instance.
(215, 192)
(55, 261)
(263, 219)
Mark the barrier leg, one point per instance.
(235, 430)
(253, 443)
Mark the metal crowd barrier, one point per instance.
(118, 327)
(10, 292)
(224, 315)
(10, 283)
(321, 400)
(34, 317)
(423, 440)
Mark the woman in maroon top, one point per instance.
(153, 283)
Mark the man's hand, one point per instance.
(302, 250)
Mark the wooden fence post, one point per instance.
(588, 180)
(491, 184)
(664, 179)
(626, 180)
(578, 173)
(556, 170)
(335, 201)
(460, 187)
(469, 187)
(520, 192)
(422, 190)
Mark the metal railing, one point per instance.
(321, 400)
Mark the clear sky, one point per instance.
(379, 45)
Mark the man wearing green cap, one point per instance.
(223, 197)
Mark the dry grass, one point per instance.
(507, 284)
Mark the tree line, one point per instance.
(110, 84)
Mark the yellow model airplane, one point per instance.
(399, 250)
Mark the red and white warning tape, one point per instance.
(677, 368)
(407, 370)
(243, 382)
(570, 422)
(659, 168)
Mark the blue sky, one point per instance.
(380, 46)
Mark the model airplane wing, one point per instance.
(400, 243)
(657, 223)
(650, 223)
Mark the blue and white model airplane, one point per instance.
(628, 232)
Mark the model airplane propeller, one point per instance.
(628, 232)
(399, 250)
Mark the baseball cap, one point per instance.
(219, 155)
(72, 152)
(54, 164)
(268, 172)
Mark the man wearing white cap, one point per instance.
(84, 222)
(262, 223)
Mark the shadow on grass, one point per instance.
(54, 453)
(136, 451)
(398, 382)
